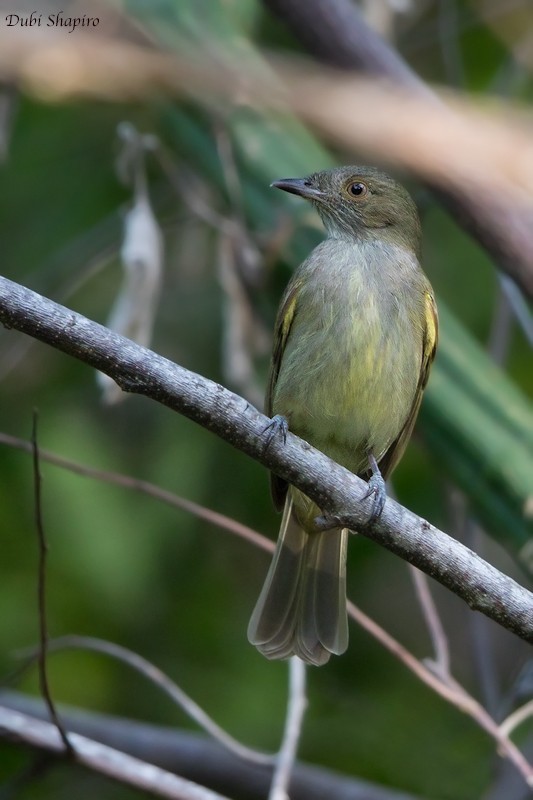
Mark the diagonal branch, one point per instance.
(145, 487)
(192, 755)
(333, 488)
(101, 758)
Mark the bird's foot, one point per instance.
(278, 426)
(377, 490)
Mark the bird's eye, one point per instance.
(357, 189)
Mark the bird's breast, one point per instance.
(351, 365)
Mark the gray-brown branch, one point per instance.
(194, 757)
(229, 416)
(336, 32)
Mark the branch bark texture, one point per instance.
(194, 757)
(101, 758)
(335, 32)
(333, 488)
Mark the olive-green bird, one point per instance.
(355, 336)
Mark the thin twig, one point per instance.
(41, 593)
(516, 718)
(239, 325)
(150, 489)
(441, 662)
(243, 331)
(481, 639)
(248, 534)
(231, 173)
(450, 689)
(247, 252)
(161, 681)
(185, 184)
(461, 700)
(407, 658)
(296, 706)
(393, 646)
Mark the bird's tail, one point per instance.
(301, 610)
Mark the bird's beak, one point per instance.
(299, 186)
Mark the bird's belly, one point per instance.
(352, 393)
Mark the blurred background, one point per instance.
(93, 184)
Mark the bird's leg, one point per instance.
(278, 426)
(376, 489)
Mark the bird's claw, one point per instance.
(377, 490)
(278, 426)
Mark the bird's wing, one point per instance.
(429, 346)
(282, 329)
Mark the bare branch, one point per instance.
(517, 718)
(103, 759)
(200, 759)
(293, 728)
(441, 662)
(135, 306)
(334, 489)
(437, 679)
(239, 324)
(161, 681)
(449, 689)
(41, 592)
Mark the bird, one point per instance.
(355, 336)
